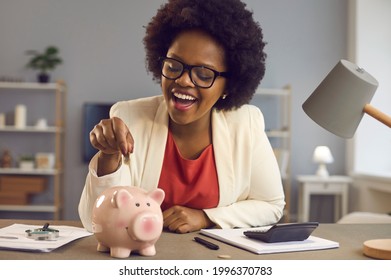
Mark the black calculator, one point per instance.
(283, 232)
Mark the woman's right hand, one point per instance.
(112, 138)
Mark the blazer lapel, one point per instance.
(156, 149)
(222, 147)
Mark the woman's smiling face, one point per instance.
(186, 102)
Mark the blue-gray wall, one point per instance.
(101, 44)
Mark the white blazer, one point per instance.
(251, 192)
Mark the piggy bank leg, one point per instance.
(120, 253)
(148, 251)
(102, 248)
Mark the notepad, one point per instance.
(14, 238)
(236, 238)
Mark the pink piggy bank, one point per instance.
(126, 219)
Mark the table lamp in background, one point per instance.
(322, 156)
(338, 105)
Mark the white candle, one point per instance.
(2, 120)
(20, 116)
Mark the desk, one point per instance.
(333, 185)
(349, 236)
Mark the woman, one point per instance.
(200, 142)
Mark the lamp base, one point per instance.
(378, 249)
(322, 171)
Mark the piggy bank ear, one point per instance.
(121, 198)
(157, 195)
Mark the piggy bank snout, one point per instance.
(147, 227)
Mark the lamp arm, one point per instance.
(377, 114)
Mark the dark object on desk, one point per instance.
(284, 232)
(206, 243)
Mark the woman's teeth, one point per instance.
(184, 96)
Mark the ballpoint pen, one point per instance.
(206, 243)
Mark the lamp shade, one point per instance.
(337, 104)
(322, 154)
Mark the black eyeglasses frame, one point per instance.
(189, 68)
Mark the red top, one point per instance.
(190, 183)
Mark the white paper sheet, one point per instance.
(236, 238)
(14, 238)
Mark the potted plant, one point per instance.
(26, 162)
(44, 62)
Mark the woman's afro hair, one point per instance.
(231, 24)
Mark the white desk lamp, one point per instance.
(322, 156)
(338, 105)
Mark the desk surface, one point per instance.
(172, 246)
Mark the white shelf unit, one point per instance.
(56, 131)
(280, 134)
(51, 129)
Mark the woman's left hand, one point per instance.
(181, 219)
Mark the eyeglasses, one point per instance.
(200, 76)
